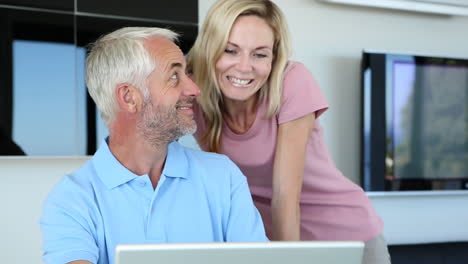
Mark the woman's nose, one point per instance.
(244, 64)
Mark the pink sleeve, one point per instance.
(301, 94)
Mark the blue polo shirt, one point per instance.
(200, 197)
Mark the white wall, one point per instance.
(329, 40)
(25, 183)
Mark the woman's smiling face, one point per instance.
(246, 62)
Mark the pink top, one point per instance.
(332, 207)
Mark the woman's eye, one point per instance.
(260, 55)
(230, 51)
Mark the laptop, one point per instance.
(303, 252)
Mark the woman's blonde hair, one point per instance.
(210, 46)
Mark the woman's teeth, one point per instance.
(239, 81)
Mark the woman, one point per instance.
(262, 111)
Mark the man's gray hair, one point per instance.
(120, 57)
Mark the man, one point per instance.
(141, 186)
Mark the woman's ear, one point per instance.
(128, 97)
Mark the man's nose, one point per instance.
(191, 89)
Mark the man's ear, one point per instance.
(129, 97)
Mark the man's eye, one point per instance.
(174, 76)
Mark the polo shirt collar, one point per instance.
(177, 165)
(112, 173)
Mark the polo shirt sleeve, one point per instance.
(66, 226)
(301, 94)
(244, 223)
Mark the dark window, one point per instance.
(185, 11)
(67, 5)
(44, 106)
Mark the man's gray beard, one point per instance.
(161, 125)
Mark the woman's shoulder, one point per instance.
(298, 78)
(295, 67)
(301, 93)
(297, 74)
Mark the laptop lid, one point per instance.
(320, 252)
